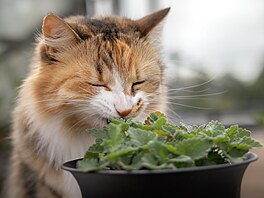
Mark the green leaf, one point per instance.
(234, 152)
(216, 156)
(159, 151)
(188, 132)
(181, 158)
(169, 128)
(131, 161)
(153, 117)
(160, 122)
(119, 121)
(96, 148)
(128, 157)
(149, 161)
(182, 161)
(90, 155)
(88, 165)
(113, 156)
(145, 127)
(116, 136)
(195, 148)
(161, 133)
(170, 148)
(130, 167)
(239, 141)
(215, 136)
(215, 131)
(215, 126)
(162, 139)
(245, 143)
(236, 133)
(100, 134)
(140, 137)
(115, 132)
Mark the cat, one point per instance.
(84, 71)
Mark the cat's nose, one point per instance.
(123, 105)
(123, 113)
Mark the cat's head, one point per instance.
(91, 69)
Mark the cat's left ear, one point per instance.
(57, 33)
(149, 22)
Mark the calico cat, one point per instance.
(84, 70)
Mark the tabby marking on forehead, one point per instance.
(118, 83)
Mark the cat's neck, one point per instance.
(60, 143)
(57, 141)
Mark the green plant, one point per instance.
(157, 144)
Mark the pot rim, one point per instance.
(251, 157)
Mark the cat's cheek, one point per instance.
(140, 96)
(102, 104)
(139, 104)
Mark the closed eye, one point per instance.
(135, 86)
(95, 85)
(138, 83)
(99, 85)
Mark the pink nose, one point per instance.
(123, 113)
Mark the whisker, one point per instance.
(190, 91)
(199, 95)
(76, 124)
(185, 105)
(67, 101)
(174, 114)
(193, 86)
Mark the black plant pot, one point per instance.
(215, 181)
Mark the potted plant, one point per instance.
(132, 159)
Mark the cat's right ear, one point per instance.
(58, 35)
(150, 22)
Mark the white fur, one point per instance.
(70, 186)
(58, 147)
(107, 103)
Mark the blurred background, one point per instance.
(214, 50)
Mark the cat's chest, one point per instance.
(61, 144)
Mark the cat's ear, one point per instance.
(58, 34)
(149, 22)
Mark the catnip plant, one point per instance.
(158, 144)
